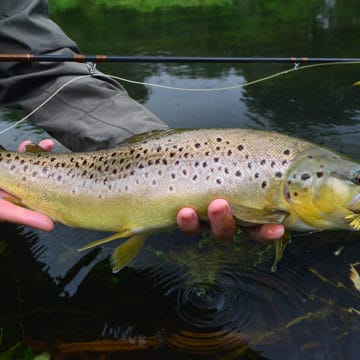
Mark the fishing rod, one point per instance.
(81, 58)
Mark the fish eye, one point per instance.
(356, 178)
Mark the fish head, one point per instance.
(323, 190)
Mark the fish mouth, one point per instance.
(354, 217)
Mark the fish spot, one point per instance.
(137, 156)
(114, 171)
(283, 162)
(295, 193)
(154, 182)
(186, 155)
(247, 156)
(216, 159)
(196, 164)
(197, 145)
(195, 177)
(150, 162)
(173, 176)
(226, 170)
(45, 170)
(278, 174)
(240, 147)
(172, 154)
(256, 176)
(113, 154)
(157, 161)
(34, 173)
(141, 166)
(184, 172)
(305, 176)
(287, 152)
(310, 157)
(218, 181)
(165, 162)
(263, 162)
(160, 172)
(263, 184)
(204, 164)
(52, 159)
(177, 162)
(158, 149)
(171, 188)
(229, 152)
(132, 172)
(59, 177)
(91, 176)
(84, 173)
(238, 173)
(84, 162)
(207, 153)
(12, 167)
(218, 139)
(25, 167)
(319, 174)
(249, 165)
(272, 164)
(218, 148)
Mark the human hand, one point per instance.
(223, 224)
(16, 214)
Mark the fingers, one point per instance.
(188, 220)
(266, 232)
(222, 222)
(18, 215)
(46, 144)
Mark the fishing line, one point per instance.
(43, 103)
(93, 73)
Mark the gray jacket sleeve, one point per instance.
(88, 114)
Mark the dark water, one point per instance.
(191, 297)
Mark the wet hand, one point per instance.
(16, 214)
(223, 224)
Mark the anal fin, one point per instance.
(280, 246)
(124, 253)
(121, 234)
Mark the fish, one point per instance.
(137, 189)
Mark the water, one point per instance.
(190, 296)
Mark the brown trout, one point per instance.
(137, 189)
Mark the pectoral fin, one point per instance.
(280, 245)
(123, 254)
(250, 216)
(121, 234)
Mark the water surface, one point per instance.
(191, 296)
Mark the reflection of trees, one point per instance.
(246, 28)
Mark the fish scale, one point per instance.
(139, 187)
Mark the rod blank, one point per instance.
(167, 59)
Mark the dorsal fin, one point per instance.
(151, 135)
